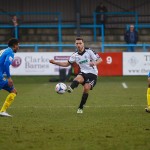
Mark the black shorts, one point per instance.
(89, 78)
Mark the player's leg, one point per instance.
(148, 95)
(90, 82)
(77, 80)
(9, 99)
(84, 97)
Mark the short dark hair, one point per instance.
(79, 38)
(12, 42)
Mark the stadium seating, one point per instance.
(115, 27)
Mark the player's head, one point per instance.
(79, 42)
(14, 44)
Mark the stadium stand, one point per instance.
(115, 26)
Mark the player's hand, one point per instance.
(52, 61)
(10, 82)
(92, 64)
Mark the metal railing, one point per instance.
(60, 26)
(144, 46)
(36, 47)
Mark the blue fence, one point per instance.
(18, 14)
(60, 26)
(144, 46)
(37, 46)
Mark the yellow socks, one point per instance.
(9, 99)
(148, 97)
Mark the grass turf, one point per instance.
(113, 119)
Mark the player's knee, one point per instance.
(14, 91)
(79, 78)
(87, 87)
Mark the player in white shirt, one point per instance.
(87, 60)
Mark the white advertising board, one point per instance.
(31, 63)
(136, 63)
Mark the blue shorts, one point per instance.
(4, 85)
(149, 75)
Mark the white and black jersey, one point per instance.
(83, 59)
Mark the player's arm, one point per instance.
(96, 59)
(63, 64)
(7, 71)
(97, 62)
(7, 63)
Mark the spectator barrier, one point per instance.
(60, 26)
(37, 46)
(113, 64)
(144, 46)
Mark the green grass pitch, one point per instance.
(114, 117)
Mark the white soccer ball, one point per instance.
(60, 88)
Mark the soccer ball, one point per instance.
(60, 88)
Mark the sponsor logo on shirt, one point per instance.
(83, 61)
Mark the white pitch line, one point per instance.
(69, 106)
(124, 85)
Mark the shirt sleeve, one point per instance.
(94, 55)
(72, 59)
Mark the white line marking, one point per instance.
(124, 85)
(69, 106)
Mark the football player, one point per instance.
(147, 109)
(87, 60)
(6, 59)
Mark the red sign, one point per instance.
(111, 64)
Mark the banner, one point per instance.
(111, 64)
(136, 63)
(114, 64)
(31, 63)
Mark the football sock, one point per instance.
(148, 97)
(74, 84)
(8, 101)
(83, 100)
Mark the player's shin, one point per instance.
(83, 100)
(9, 99)
(74, 84)
(148, 97)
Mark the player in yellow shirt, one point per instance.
(147, 109)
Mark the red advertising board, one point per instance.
(111, 64)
